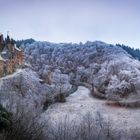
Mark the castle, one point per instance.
(11, 57)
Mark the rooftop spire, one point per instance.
(7, 33)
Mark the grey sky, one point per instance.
(111, 21)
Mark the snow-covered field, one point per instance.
(81, 102)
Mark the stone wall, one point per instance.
(2, 64)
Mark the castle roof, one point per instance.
(17, 48)
(1, 58)
(5, 50)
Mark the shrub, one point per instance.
(47, 103)
(60, 98)
(5, 119)
(24, 126)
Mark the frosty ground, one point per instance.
(81, 102)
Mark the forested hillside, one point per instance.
(134, 52)
(108, 68)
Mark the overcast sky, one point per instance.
(111, 21)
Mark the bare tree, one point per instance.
(24, 126)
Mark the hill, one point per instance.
(110, 69)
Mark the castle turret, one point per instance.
(1, 42)
(1, 38)
(8, 40)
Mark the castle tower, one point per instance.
(11, 57)
(1, 42)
